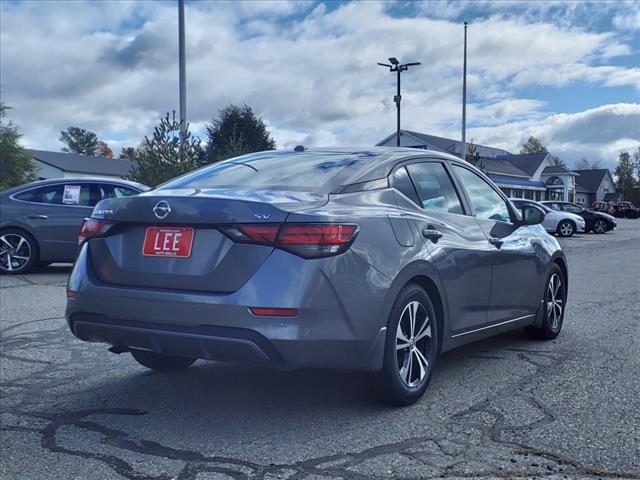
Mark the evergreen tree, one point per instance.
(234, 132)
(636, 164)
(166, 154)
(16, 166)
(533, 145)
(127, 153)
(624, 174)
(80, 141)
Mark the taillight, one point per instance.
(306, 240)
(92, 228)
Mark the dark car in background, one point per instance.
(596, 222)
(372, 259)
(40, 221)
(626, 210)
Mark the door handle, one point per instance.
(432, 234)
(497, 242)
(39, 217)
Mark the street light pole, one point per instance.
(464, 97)
(182, 71)
(398, 67)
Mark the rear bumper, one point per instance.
(220, 327)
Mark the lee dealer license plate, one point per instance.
(168, 242)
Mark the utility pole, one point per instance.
(398, 67)
(183, 71)
(464, 96)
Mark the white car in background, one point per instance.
(565, 224)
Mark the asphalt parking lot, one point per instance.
(505, 407)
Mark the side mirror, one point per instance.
(532, 215)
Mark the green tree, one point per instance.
(636, 164)
(16, 166)
(236, 131)
(166, 154)
(127, 153)
(533, 145)
(625, 180)
(80, 141)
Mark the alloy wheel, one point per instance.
(555, 301)
(413, 344)
(566, 229)
(15, 252)
(600, 226)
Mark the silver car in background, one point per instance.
(373, 259)
(565, 224)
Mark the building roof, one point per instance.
(500, 167)
(527, 162)
(446, 145)
(590, 179)
(557, 170)
(520, 182)
(72, 162)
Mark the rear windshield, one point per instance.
(305, 171)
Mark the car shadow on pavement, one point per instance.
(225, 390)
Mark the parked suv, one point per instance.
(40, 221)
(596, 222)
(626, 210)
(603, 207)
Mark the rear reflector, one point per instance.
(72, 294)
(273, 312)
(306, 240)
(92, 228)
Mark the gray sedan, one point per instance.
(368, 259)
(40, 221)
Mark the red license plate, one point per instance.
(168, 242)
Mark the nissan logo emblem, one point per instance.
(162, 209)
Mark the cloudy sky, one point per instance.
(563, 71)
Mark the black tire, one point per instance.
(28, 247)
(552, 317)
(388, 384)
(566, 228)
(600, 226)
(161, 363)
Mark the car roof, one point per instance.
(383, 159)
(55, 181)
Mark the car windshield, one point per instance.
(275, 170)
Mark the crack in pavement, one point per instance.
(469, 443)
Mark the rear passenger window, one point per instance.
(400, 180)
(435, 189)
(49, 194)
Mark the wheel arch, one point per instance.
(561, 261)
(429, 286)
(425, 275)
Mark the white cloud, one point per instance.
(597, 133)
(309, 71)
